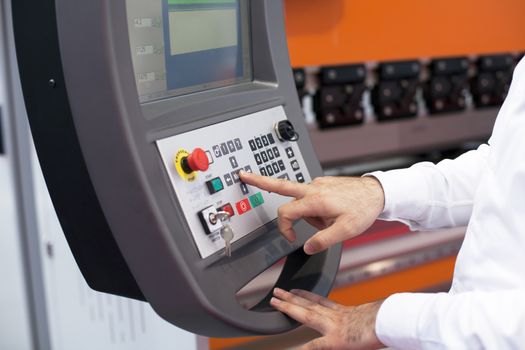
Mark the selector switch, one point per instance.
(209, 220)
(285, 131)
(215, 185)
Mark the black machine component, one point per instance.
(339, 100)
(491, 85)
(299, 76)
(285, 131)
(394, 96)
(445, 90)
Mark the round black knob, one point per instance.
(285, 131)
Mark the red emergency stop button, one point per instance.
(196, 161)
(243, 206)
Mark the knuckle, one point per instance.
(347, 227)
(309, 317)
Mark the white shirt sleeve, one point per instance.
(430, 196)
(470, 320)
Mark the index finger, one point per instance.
(280, 186)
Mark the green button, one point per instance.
(256, 200)
(217, 184)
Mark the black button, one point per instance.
(248, 169)
(233, 162)
(224, 149)
(271, 156)
(269, 170)
(244, 189)
(228, 179)
(238, 144)
(270, 138)
(265, 141)
(276, 152)
(275, 168)
(289, 152)
(281, 165)
(231, 146)
(253, 146)
(217, 151)
(264, 156)
(263, 171)
(235, 176)
(258, 142)
(295, 165)
(299, 177)
(258, 158)
(284, 176)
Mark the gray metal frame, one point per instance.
(117, 137)
(18, 143)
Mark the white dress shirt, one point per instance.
(485, 188)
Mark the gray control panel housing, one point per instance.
(121, 143)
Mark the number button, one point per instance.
(264, 156)
(265, 141)
(258, 142)
(253, 146)
(276, 152)
(258, 158)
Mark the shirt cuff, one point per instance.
(404, 191)
(398, 318)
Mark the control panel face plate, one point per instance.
(247, 143)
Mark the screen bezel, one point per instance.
(247, 57)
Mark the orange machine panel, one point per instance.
(327, 32)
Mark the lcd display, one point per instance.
(186, 46)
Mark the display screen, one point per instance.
(186, 46)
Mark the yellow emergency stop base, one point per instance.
(177, 161)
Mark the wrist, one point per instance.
(375, 192)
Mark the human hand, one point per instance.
(341, 327)
(339, 207)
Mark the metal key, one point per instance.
(227, 235)
(226, 231)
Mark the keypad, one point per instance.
(268, 156)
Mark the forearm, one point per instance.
(470, 320)
(430, 196)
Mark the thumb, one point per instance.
(339, 231)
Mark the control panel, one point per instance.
(203, 168)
